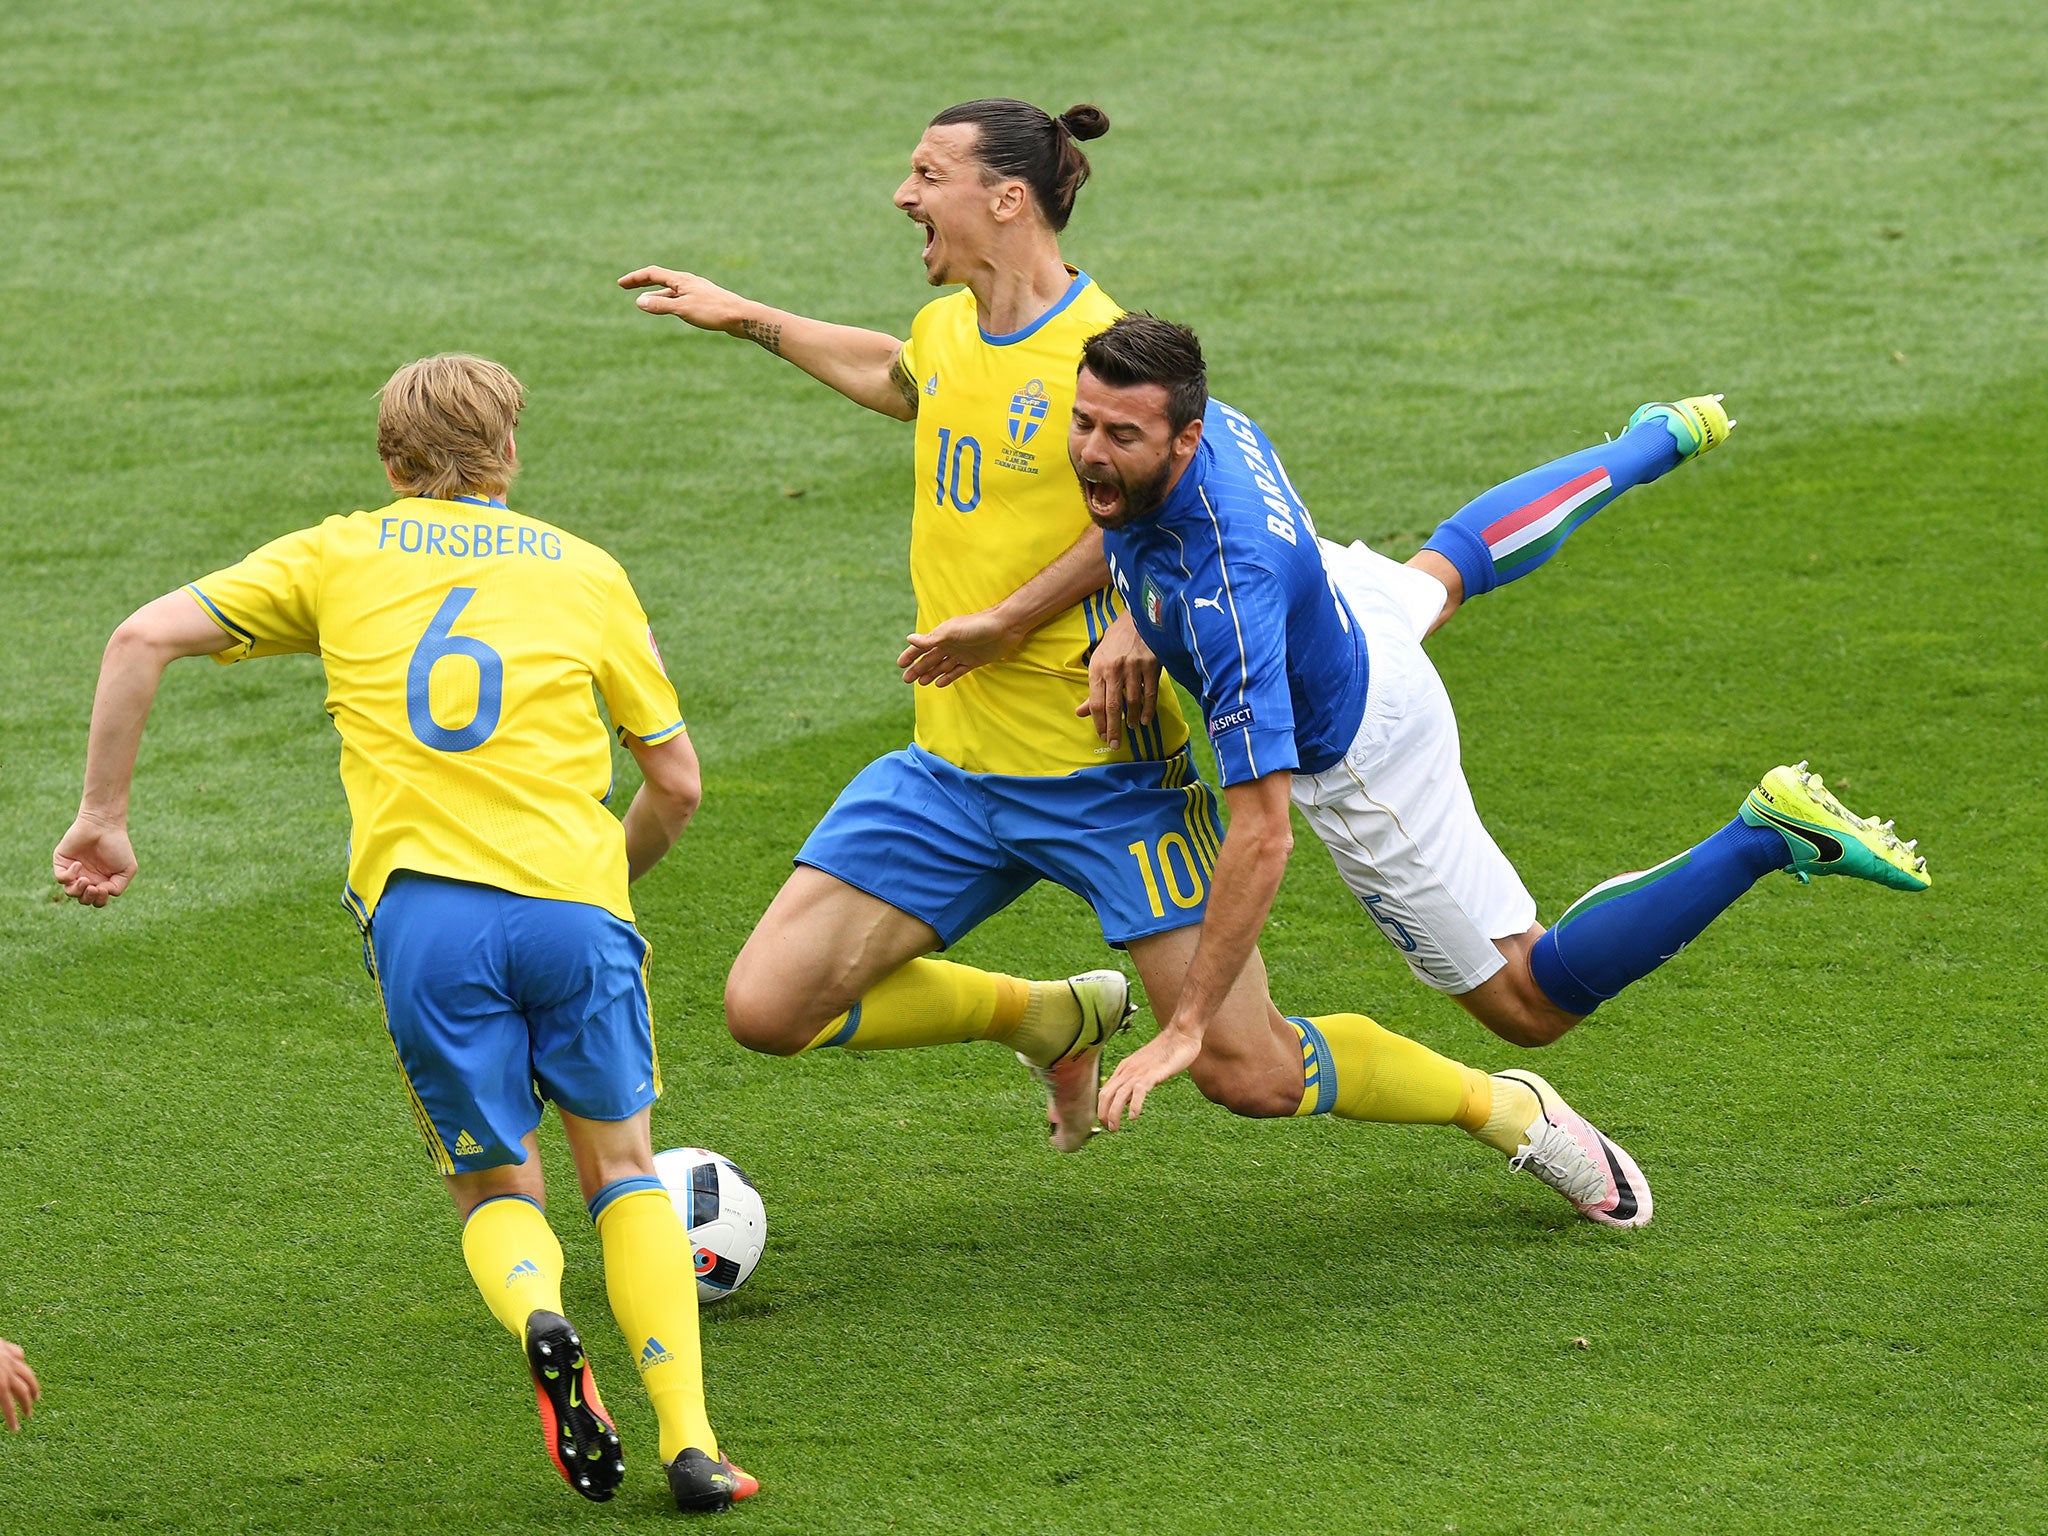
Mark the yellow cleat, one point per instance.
(1827, 838)
(1696, 423)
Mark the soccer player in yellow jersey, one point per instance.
(1005, 784)
(461, 642)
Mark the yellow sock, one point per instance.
(930, 1002)
(652, 1282)
(514, 1260)
(1501, 1114)
(1356, 1069)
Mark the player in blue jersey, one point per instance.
(1308, 663)
(1004, 786)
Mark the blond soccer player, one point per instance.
(461, 642)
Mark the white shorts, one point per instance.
(1395, 813)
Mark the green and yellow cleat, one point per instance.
(1827, 838)
(1696, 423)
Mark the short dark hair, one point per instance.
(1040, 150)
(1140, 348)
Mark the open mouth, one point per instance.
(931, 238)
(1105, 497)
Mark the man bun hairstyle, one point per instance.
(1140, 348)
(1042, 151)
(443, 424)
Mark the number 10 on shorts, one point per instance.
(1175, 860)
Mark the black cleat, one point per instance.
(704, 1486)
(581, 1441)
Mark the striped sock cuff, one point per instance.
(1318, 1070)
(618, 1189)
(495, 1199)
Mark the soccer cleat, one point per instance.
(1826, 838)
(1696, 423)
(704, 1485)
(1073, 1083)
(1565, 1150)
(581, 1441)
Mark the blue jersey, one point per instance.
(1227, 585)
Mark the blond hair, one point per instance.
(444, 426)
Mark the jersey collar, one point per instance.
(1073, 292)
(483, 501)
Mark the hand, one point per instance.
(1167, 1054)
(688, 297)
(957, 647)
(1123, 679)
(19, 1388)
(95, 861)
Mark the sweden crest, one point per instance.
(1027, 411)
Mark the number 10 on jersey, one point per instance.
(959, 459)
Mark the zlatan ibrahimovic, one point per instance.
(461, 642)
(1003, 786)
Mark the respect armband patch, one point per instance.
(1231, 721)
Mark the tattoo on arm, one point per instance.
(769, 336)
(906, 386)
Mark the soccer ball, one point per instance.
(722, 1210)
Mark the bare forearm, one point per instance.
(1241, 892)
(1077, 572)
(130, 673)
(653, 823)
(857, 363)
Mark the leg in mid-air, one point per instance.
(830, 965)
(1257, 1062)
(1504, 534)
(1398, 819)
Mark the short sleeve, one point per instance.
(1239, 640)
(910, 353)
(630, 674)
(270, 602)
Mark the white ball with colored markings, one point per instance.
(722, 1212)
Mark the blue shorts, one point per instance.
(1136, 841)
(496, 1001)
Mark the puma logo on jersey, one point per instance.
(1209, 602)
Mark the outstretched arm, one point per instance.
(94, 862)
(1241, 892)
(959, 645)
(865, 366)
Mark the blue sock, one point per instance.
(1515, 527)
(1625, 928)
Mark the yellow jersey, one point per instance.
(461, 643)
(997, 502)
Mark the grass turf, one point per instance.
(1427, 245)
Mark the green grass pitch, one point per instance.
(1427, 244)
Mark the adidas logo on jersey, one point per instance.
(467, 1145)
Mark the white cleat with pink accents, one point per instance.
(1568, 1152)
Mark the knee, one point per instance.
(761, 1015)
(1531, 1029)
